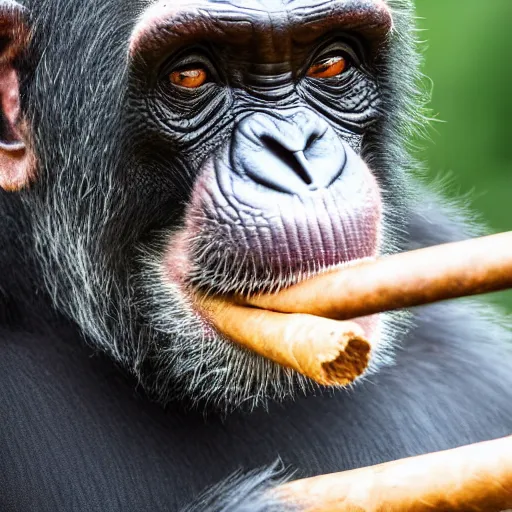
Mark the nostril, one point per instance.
(311, 140)
(285, 155)
(291, 160)
(277, 149)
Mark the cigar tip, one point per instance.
(348, 364)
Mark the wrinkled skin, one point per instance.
(128, 192)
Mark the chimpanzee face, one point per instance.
(265, 106)
(214, 146)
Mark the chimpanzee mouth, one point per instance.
(214, 264)
(223, 271)
(205, 267)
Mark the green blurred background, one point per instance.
(468, 57)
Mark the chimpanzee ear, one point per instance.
(16, 164)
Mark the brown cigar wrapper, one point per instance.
(328, 351)
(476, 478)
(403, 280)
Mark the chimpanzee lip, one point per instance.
(229, 275)
(178, 269)
(270, 282)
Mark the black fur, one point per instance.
(78, 430)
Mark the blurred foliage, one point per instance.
(468, 57)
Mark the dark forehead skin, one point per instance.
(270, 27)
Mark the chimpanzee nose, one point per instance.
(291, 153)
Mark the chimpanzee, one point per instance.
(154, 147)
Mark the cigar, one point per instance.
(327, 351)
(476, 477)
(403, 280)
(304, 327)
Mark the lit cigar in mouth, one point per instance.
(305, 326)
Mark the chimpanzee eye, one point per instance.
(191, 78)
(328, 68)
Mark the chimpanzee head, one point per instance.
(228, 146)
